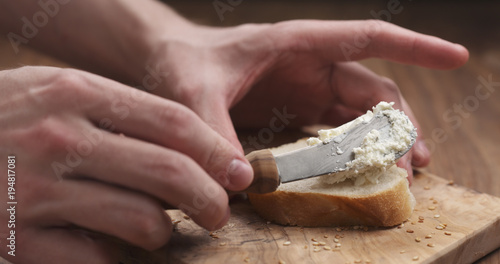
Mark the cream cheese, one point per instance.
(377, 152)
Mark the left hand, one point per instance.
(303, 66)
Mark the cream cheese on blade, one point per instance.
(377, 153)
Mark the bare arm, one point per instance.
(114, 38)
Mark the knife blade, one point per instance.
(312, 161)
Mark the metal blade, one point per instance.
(329, 157)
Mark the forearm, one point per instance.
(114, 38)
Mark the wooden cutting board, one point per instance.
(461, 226)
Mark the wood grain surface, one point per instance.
(464, 143)
(450, 224)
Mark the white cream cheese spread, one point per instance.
(377, 152)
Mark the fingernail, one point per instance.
(240, 174)
(224, 220)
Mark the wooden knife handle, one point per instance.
(266, 177)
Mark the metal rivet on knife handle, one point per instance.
(266, 176)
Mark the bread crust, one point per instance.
(388, 207)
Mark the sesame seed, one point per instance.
(420, 218)
(247, 259)
(282, 262)
(187, 217)
(402, 251)
(430, 245)
(409, 231)
(338, 229)
(305, 247)
(417, 239)
(368, 261)
(427, 188)
(336, 240)
(436, 216)
(413, 223)
(447, 233)
(325, 236)
(315, 244)
(317, 249)
(327, 248)
(314, 240)
(337, 236)
(287, 243)
(451, 182)
(357, 261)
(415, 258)
(434, 202)
(432, 208)
(322, 243)
(222, 244)
(428, 236)
(338, 245)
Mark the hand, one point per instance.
(303, 66)
(75, 172)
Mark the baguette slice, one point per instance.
(310, 202)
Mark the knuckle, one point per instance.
(177, 119)
(151, 228)
(50, 135)
(390, 86)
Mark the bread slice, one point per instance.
(311, 202)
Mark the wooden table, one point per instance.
(464, 143)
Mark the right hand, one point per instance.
(75, 172)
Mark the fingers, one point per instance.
(358, 89)
(163, 173)
(420, 155)
(55, 245)
(356, 40)
(122, 213)
(174, 126)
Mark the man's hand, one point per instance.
(304, 66)
(93, 154)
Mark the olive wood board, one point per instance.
(472, 229)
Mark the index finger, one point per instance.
(356, 40)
